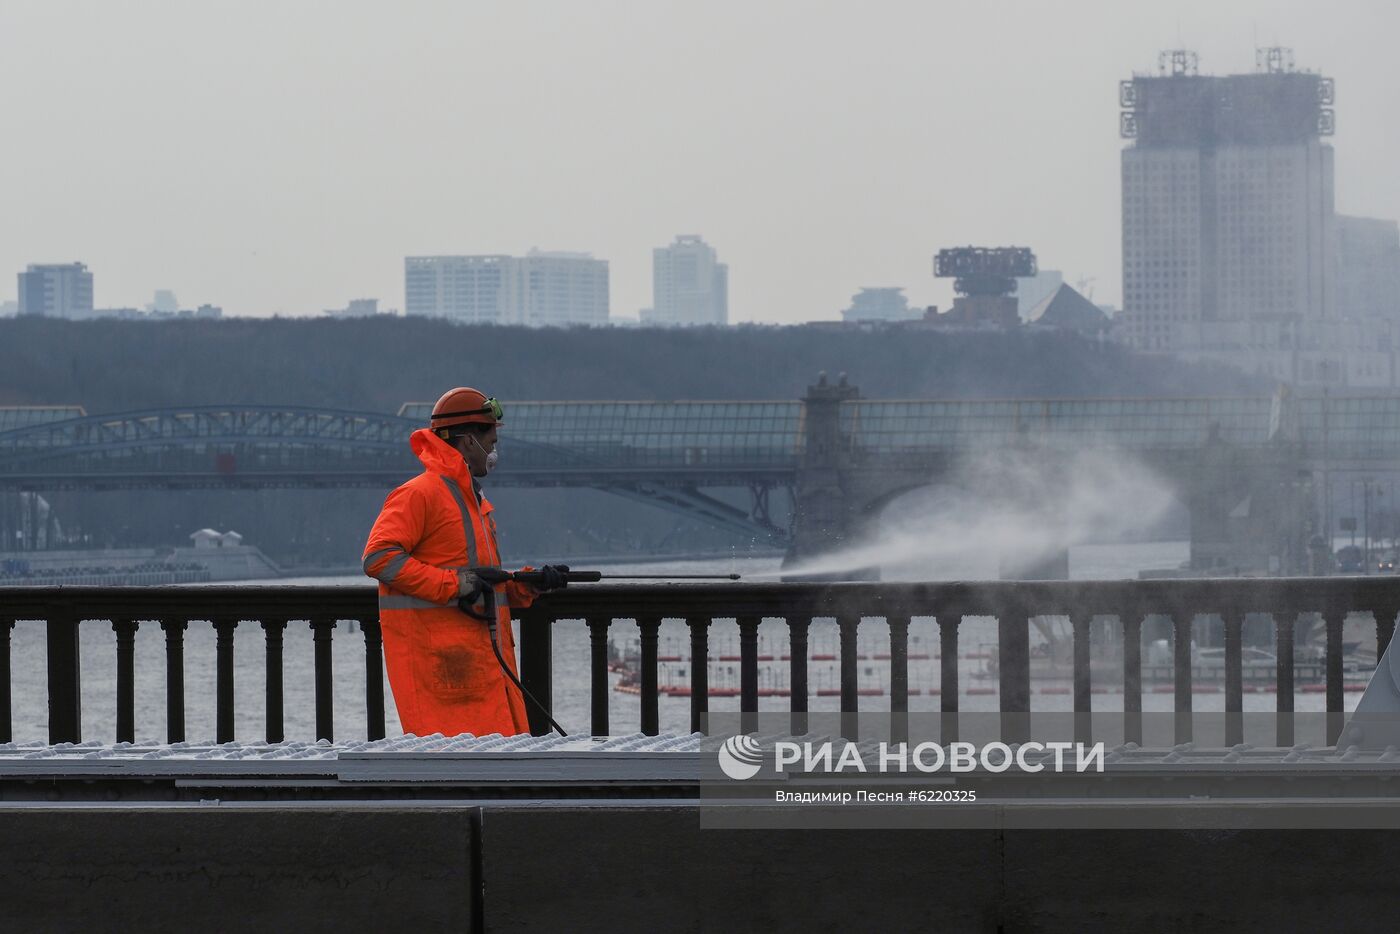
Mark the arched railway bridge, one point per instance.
(1249, 470)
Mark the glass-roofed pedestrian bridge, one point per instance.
(772, 433)
(669, 453)
(761, 435)
(585, 443)
(22, 416)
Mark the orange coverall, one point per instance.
(444, 676)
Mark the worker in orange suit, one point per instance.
(430, 533)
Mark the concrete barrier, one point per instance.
(236, 869)
(650, 867)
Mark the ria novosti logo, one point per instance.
(740, 757)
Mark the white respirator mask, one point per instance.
(491, 456)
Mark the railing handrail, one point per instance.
(1202, 596)
(1012, 603)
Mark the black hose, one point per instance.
(496, 647)
(465, 604)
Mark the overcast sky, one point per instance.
(285, 156)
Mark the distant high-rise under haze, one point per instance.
(1230, 236)
(689, 285)
(540, 288)
(61, 290)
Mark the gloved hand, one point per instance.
(552, 577)
(469, 586)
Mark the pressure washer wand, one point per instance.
(491, 576)
(494, 575)
(664, 577)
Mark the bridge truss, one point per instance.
(669, 454)
(267, 447)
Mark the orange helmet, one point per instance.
(462, 405)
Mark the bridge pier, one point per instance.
(1252, 506)
(826, 515)
(1251, 512)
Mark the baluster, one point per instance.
(649, 626)
(174, 679)
(1181, 674)
(948, 678)
(1334, 619)
(537, 666)
(598, 664)
(1132, 679)
(223, 681)
(699, 671)
(65, 679)
(848, 627)
(1234, 677)
(6, 713)
(1014, 667)
(126, 679)
(798, 629)
(1082, 710)
(374, 678)
(1385, 628)
(748, 673)
(1284, 626)
(273, 630)
(899, 678)
(322, 631)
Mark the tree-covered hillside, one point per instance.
(377, 365)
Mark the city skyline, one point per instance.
(820, 149)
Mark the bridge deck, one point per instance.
(637, 766)
(255, 852)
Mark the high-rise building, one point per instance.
(1368, 268)
(1232, 249)
(689, 285)
(560, 288)
(56, 291)
(465, 289)
(540, 288)
(1227, 202)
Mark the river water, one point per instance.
(571, 651)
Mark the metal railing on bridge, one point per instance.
(1014, 605)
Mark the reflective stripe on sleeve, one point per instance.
(374, 556)
(392, 569)
(405, 602)
(467, 528)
